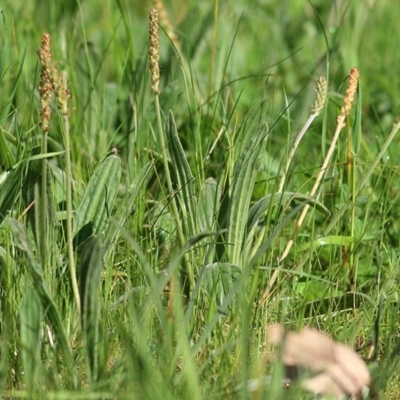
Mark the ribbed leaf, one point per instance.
(208, 205)
(219, 279)
(42, 213)
(122, 212)
(30, 322)
(183, 175)
(89, 288)
(95, 208)
(243, 180)
(207, 213)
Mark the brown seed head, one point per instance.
(154, 54)
(166, 22)
(45, 85)
(51, 81)
(350, 92)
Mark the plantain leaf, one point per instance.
(89, 288)
(244, 176)
(95, 208)
(207, 213)
(183, 175)
(40, 202)
(208, 205)
(31, 320)
(219, 279)
(121, 213)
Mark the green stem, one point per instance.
(68, 174)
(42, 206)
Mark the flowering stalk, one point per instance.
(154, 56)
(319, 103)
(348, 101)
(53, 81)
(46, 91)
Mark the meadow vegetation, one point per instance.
(170, 188)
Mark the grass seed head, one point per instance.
(166, 22)
(51, 80)
(45, 85)
(321, 95)
(154, 53)
(350, 92)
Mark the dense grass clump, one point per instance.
(177, 177)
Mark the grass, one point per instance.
(149, 261)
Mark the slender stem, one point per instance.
(71, 256)
(321, 173)
(293, 150)
(43, 206)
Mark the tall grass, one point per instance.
(144, 218)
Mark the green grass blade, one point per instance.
(262, 206)
(52, 314)
(5, 151)
(96, 206)
(89, 288)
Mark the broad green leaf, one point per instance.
(89, 288)
(183, 175)
(208, 205)
(243, 179)
(96, 205)
(219, 279)
(207, 214)
(30, 323)
(40, 202)
(122, 212)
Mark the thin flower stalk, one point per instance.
(52, 79)
(348, 101)
(46, 92)
(154, 56)
(319, 103)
